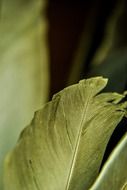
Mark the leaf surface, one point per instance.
(114, 173)
(63, 147)
(24, 68)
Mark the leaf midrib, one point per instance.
(84, 115)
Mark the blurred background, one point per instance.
(46, 45)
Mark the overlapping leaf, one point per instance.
(114, 173)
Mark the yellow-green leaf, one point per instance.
(24, 68)
(63, 147)
(114, 173)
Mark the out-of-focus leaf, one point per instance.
(24, 72)
(114, 173)
(110, 31)
(63, 146)
(111, 58)
(115, 68)
(85, 42)
(97, 38)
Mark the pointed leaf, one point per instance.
(63, 147)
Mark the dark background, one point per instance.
(68, 22)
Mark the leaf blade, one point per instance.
(63, 134)
(114, 173)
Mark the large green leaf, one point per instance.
(63, 147)
(114, 174)
(24, 72)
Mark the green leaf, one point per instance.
(114, 172)
(63, 147)
(24, 68)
